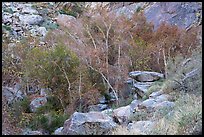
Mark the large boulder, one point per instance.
(146, 105)
(92, 123)
(37, 102)
(31, 19)
(122, 114)
(146, 76)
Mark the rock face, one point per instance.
(182, 14)
(129, 10)
(96, 123)
(145, 76)
(37, 102)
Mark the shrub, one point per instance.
(49, 122)
(19, 107)
(55, 68)
(20, 111)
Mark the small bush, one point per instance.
(19, 107)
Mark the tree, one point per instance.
(54, 68)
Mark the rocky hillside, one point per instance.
(105, 68)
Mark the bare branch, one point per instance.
(105, 80)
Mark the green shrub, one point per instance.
(55, 68)
(25, 105)
(20, 111)
(49, 122)
(20, 106)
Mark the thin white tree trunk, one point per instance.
(165, 63)
(106, 81)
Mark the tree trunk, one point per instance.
(165, 64)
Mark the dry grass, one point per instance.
(185, 119)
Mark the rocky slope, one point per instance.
(21, 19)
